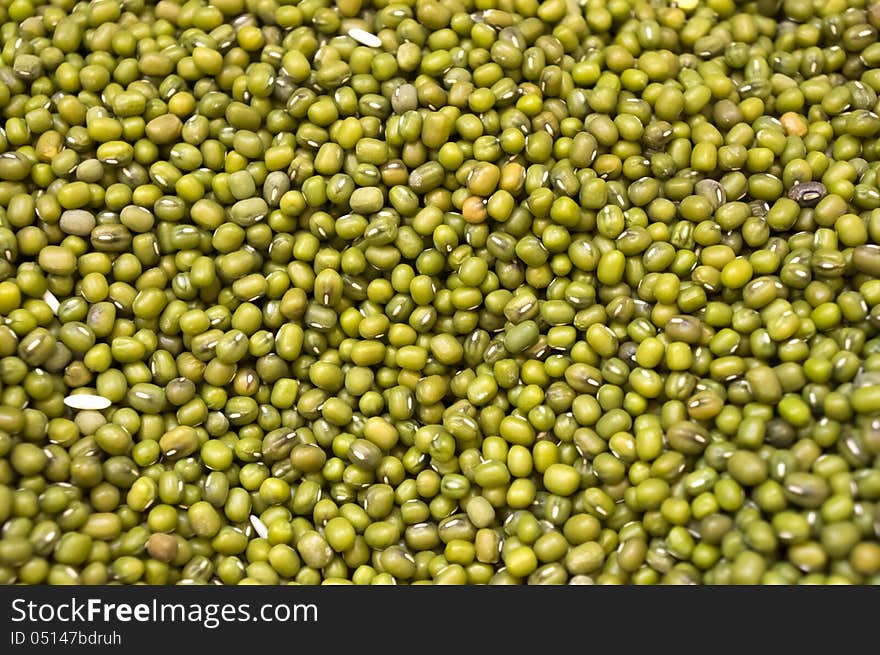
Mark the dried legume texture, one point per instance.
(509, 292)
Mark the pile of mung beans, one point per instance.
(439, 291)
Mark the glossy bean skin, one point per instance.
(535, 293)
